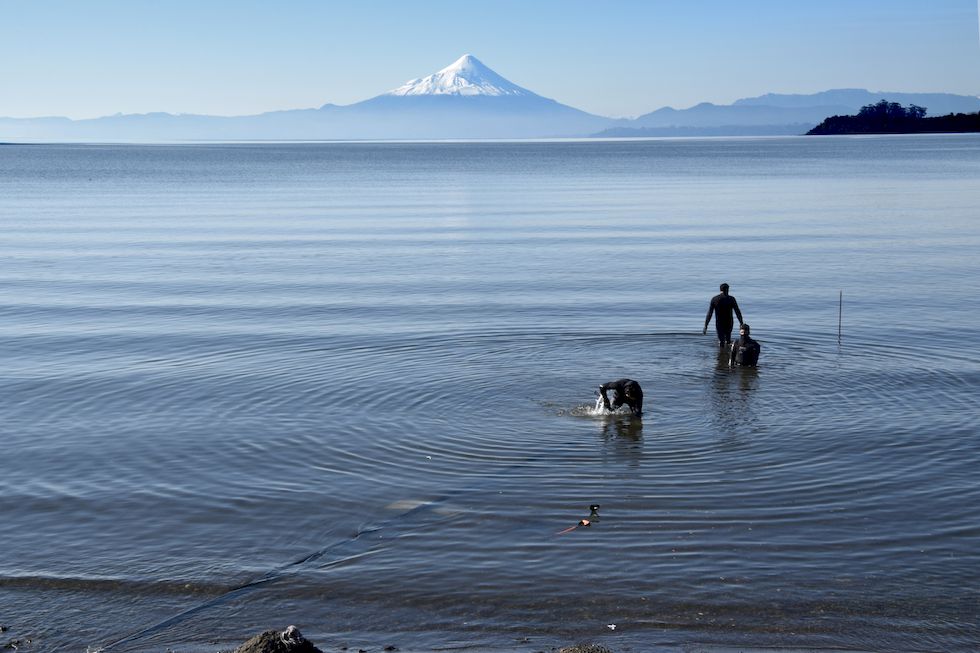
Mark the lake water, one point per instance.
(349, 387)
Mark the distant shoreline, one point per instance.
(446, 142)
(891, 118)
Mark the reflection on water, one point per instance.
(732, 400)
(622, 427)
(622, 438)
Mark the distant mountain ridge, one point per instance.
(853, 99)
(468, 100)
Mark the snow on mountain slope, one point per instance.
(465, 76)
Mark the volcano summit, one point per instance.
(465, 76)
(469, 100)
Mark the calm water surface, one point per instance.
(348, 387)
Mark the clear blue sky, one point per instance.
(86, 58)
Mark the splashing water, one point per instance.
(599, 408)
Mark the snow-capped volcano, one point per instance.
(463, 100)
(465, 76)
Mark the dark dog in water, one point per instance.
(627, 392)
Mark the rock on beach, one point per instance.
(292, 641)
(279, 641)
(585, 648)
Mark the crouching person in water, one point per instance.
(745, 350)
(627, 391)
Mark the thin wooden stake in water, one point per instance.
(840, 313)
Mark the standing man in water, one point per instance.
(722, 306)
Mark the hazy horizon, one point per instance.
(620, 59)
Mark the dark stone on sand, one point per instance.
(279, 641)
(584, 648)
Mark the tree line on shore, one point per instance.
(886, 117)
